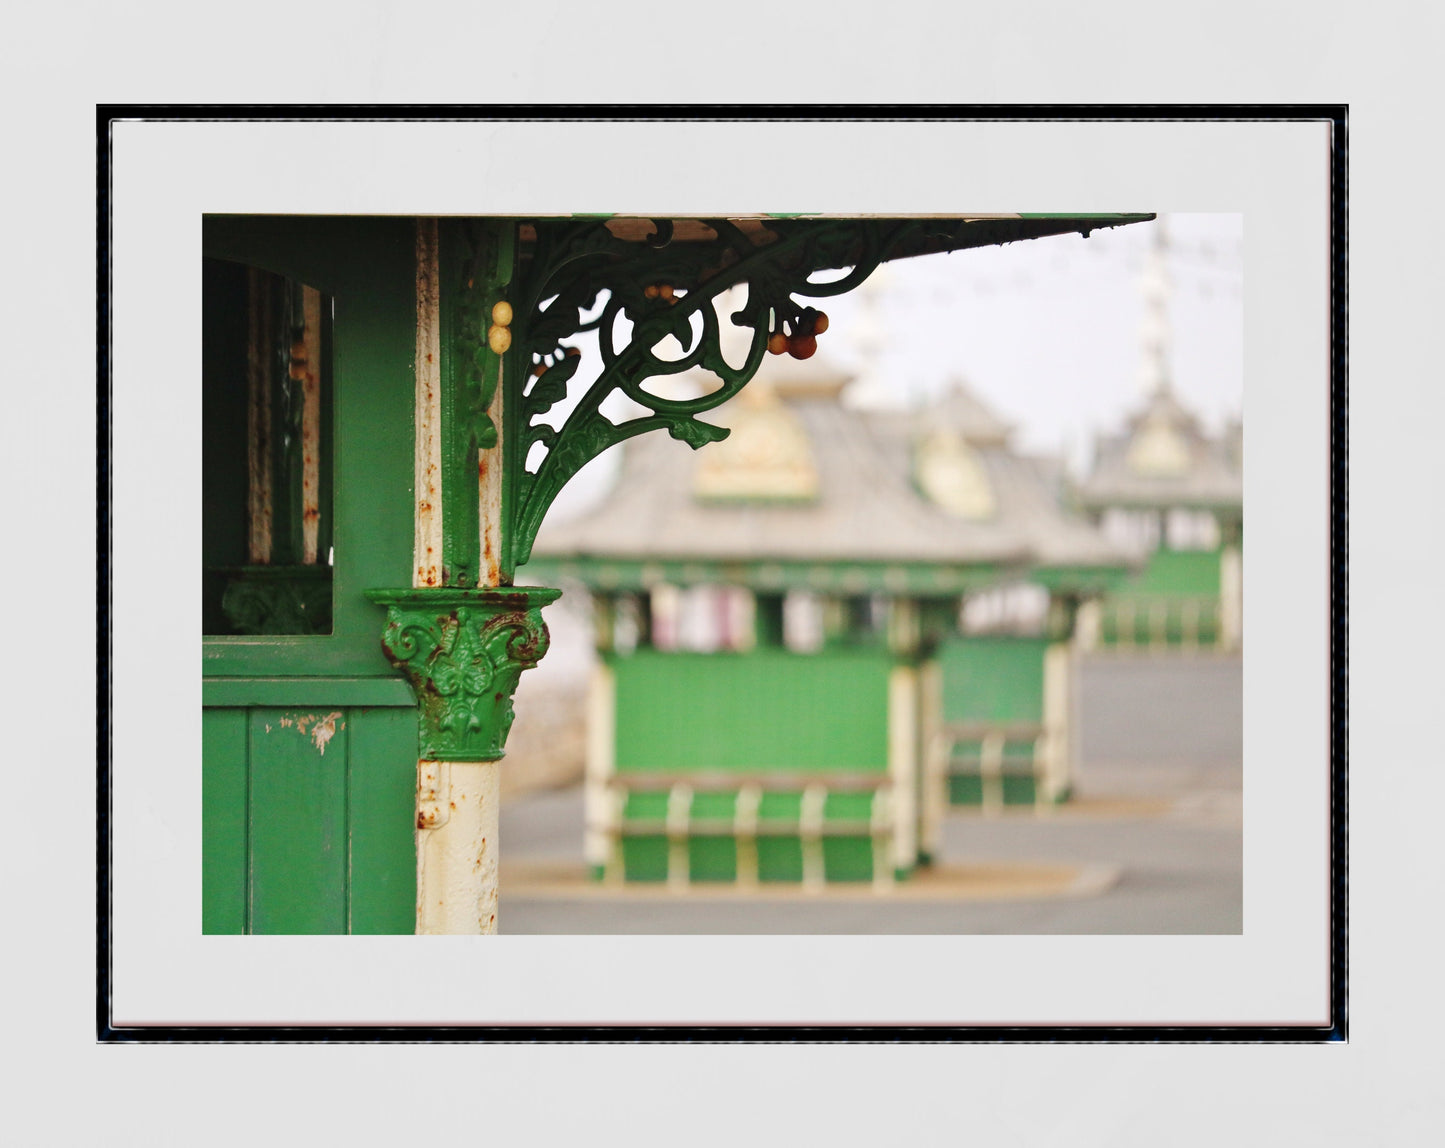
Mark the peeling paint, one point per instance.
(427, 540)
(325, 730)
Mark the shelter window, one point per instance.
(266, 443)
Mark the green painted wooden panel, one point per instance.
(223, 821)
(644, 858)
(848, 858)
(712, 858)
(993, 679)
(780, 858)
(768, 709)
(1178, 572)
(382, 754)
(296, 840)
(298, 870)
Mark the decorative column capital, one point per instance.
(463, 652)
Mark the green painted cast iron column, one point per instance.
(461, 633)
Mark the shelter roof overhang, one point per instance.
(946, 233)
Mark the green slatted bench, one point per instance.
(991, 763)
(749, 828)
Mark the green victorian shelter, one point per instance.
(1167, 489)
(817, 634)
(390, 405)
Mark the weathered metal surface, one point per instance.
(476, 268)
(463, 652)
(309, 369)
(491, 483)
(456, 859)
(433, 794)
(258, 418)
(427, 546)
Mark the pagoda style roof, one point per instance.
(1164, 458)
(803, 479)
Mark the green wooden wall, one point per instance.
(769, 709)
(296, 840)
(993, 679)
(306, 833)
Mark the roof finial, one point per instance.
(1154, 330)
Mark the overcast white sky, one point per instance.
(1046, 331)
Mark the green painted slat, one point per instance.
(780, 858)
(223, 821)
(333, 693)
(297, 877)
(645, 858)
(382, 749)
(712, 858)
(848, 858)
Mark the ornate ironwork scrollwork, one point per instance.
(663, 287)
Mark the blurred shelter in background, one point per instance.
(1166, 489)
(819, 632)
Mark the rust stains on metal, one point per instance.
(258, 418)
(309, 367)
(427, 472)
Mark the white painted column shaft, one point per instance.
(456, 876)
(1231, 598)
(1058, 734)
(1088, 623)
(903, 763)
(600, 812)
(934, 764)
